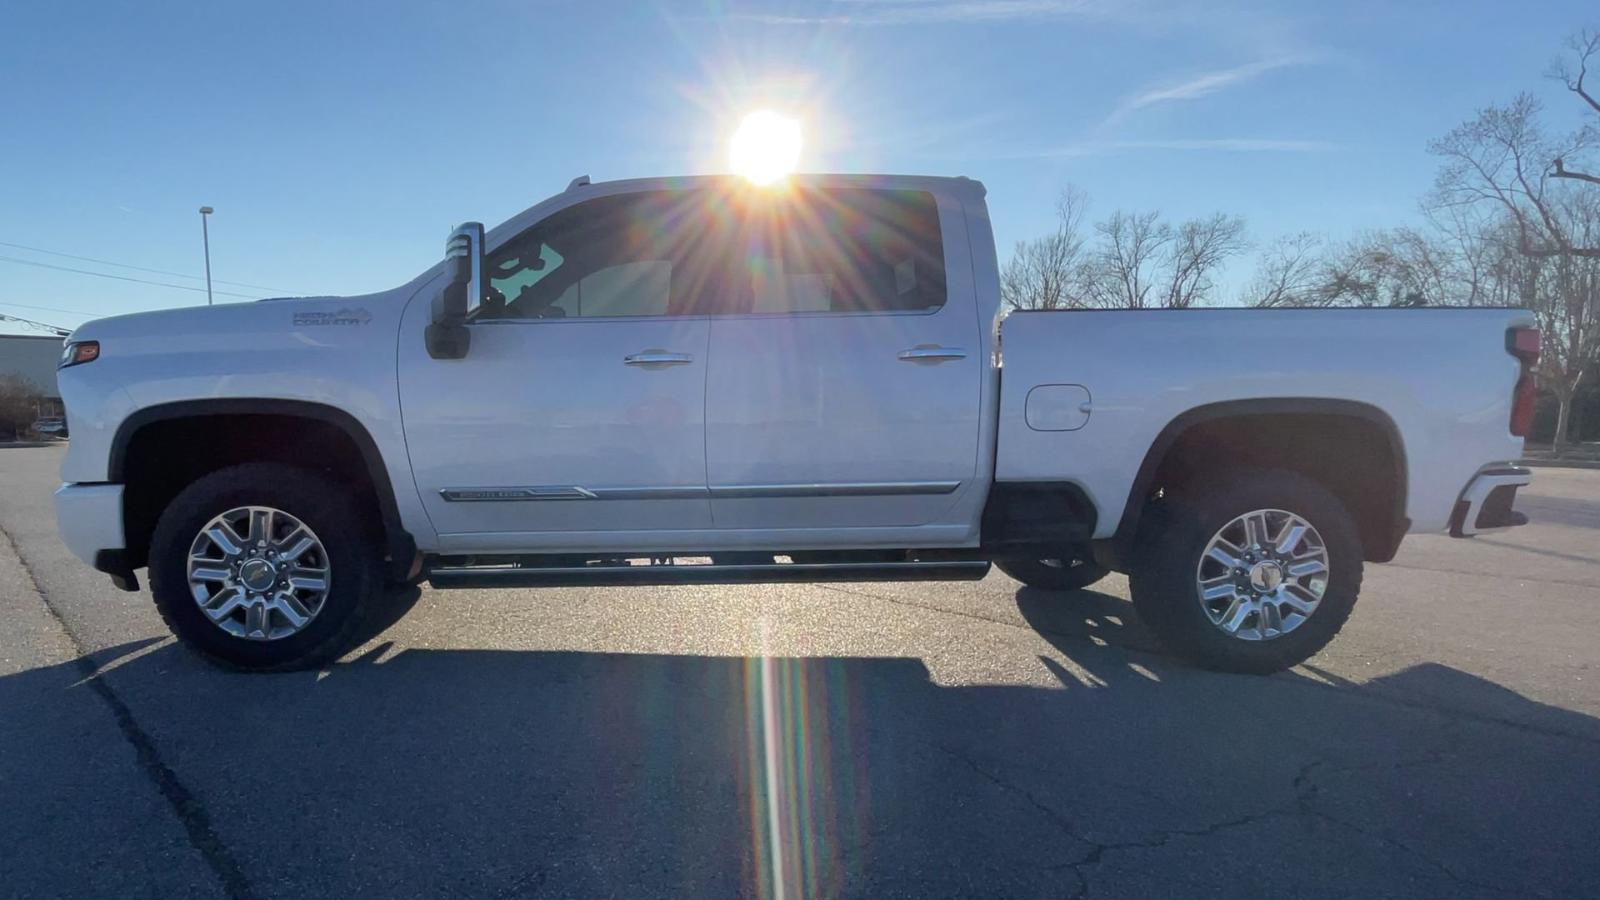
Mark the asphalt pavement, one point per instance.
(874, 740)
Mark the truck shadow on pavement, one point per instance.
(513, 773)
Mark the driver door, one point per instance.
(578, 415)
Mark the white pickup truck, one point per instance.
(696, 380)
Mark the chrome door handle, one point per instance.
(657, 358)
(932, 353)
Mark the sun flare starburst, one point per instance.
(766, 146)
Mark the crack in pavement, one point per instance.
(1306, 791)
(1097, 850)
(1301, 804)
(190, 811)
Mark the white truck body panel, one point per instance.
(600, 425)
(795, 431)
(338, 352)
(879, 411)
(89, 517)
(1441, 375)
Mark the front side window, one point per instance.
(643, 254)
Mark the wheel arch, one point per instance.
(1381, 524)
(400, 546)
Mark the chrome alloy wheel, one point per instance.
(258, 573)
(1262, 575)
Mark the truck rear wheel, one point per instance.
(1053, 574)
(1254, 572)
(264, 567)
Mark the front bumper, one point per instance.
(89, 517)
(1486, 503)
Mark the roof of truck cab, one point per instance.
(812, 180)
(957, 186)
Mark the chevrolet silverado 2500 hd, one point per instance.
(695, 380)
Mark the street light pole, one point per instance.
(205, 235)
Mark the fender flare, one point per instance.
(400, 546)
(1144, 481)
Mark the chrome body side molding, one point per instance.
(862, 489)
(725, 492)
(568, 492)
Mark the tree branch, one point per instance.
(1547, 252)
(1584, 45)
(1563, 172)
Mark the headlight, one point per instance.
(76, 352)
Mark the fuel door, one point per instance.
(1058, 407)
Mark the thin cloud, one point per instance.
(1246, 145)
(1215, 145)
(924, 12)
(1202, 85)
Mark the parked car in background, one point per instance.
(801, 383)
(50, 426)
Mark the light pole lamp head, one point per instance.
(206, 210)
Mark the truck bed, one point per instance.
(1436, 375)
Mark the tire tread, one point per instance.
(1162, 579)
(320, 497)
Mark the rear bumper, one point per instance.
(89, 517)
(1486, 503)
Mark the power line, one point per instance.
(74, 312)
(62, 332)
(181, 287)
(107, 262)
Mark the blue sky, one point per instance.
(339, 142)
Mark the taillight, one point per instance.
(1523, 343)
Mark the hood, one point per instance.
(280, 314)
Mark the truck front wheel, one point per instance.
(1252, 572)
(264, 566)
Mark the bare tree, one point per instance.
(1133, 246)
(1472, 242)
(1288, 273)
(19, 403)
(1400, 267)
(1546, 193)
(1199, 248)
(1568, 308)
(1136, 261)
(1572, 72)
(1503, 158)
(1047, 272)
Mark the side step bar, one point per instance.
(770, 573)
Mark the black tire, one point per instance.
(1053, 574)
(1178, 530)
(326, 507)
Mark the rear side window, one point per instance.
(839, 250)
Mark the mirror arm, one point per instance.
(447, 335)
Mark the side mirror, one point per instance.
(447, 336)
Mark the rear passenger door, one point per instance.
(844, 379)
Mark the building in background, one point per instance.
(34, 357)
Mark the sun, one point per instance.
(766, 146)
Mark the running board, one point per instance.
(771, 573)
